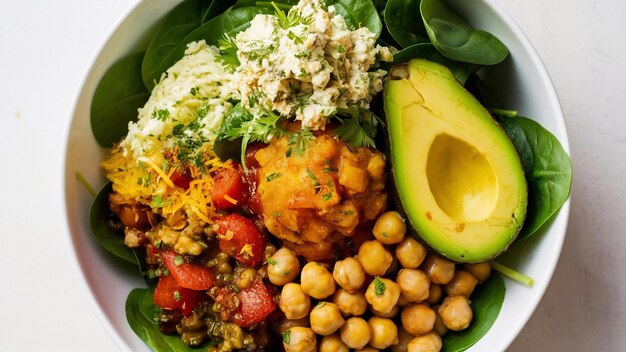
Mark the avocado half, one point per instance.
(458, 176)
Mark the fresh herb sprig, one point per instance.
(291, 19)
(228, 52)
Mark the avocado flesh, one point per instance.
(458, 176)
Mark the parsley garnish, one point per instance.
(274, 175)
(287, 336)
(316, 183)
(379, 286)
(161, 114)
(176, 296)
(341, 49)
(228, 53)
(271, 261)
(327, 196)
(359, 129)
(292, 19)
(298, 142)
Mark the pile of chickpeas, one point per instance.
(392, 294)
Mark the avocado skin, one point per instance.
(457, 176)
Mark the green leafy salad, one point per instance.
(325, 175)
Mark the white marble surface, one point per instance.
(45, 46)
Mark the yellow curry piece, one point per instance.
(313, 199)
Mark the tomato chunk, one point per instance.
(241, 239)
(191, 276)
(255, 304)
(228, 189)
(169, 295)
(181, 177)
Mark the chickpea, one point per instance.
(384, 332)
(382, 294)
(434, 294)
(333, 343)
(287, 324)
(283, 267)
(403, 301)
(481, 271)
(410, 253)
(414, 284)
(349, 274)
(374, 258)
(439, 327)
(294, 302)
(389, 315)
(430, 342)
(418, 319)
(316, 281)
(367, 349)
(438, 269)
(350, 303)
(456, 313)
(403, 340)
(299, 339)
(326, 318)
(355, 333)
(462, 284)
(389, 228)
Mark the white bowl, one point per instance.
(521, 82)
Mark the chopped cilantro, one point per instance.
(316, 183)
(291, 19)
(228, 53)
(341, 49)
(176, 296)
(271, 261)
(274, 175)
(299, 141)
(379, 286)
(287, 336)
(160, 114)
(358, 130)
(327, 196)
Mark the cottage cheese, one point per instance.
(310, 67)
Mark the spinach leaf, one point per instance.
(486, 302)
(100, 218)
(358, 13)
(230, 22)
(181, 21)
(427, 51)
(548, 170)
(141, 314)
(404, 22)
(457, 40)
(215, 8)
(116, 99)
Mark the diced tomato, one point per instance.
(181, 177)
(169, 295)
(255, 304)
(240, 238)
(228, 189)
(188, 275)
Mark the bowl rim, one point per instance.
(563, 213)
(67, 177)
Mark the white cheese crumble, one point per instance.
(190, 101)
(308, 68)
